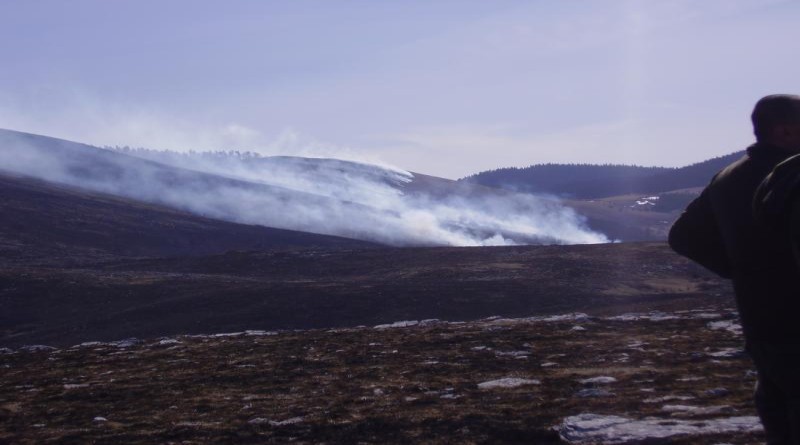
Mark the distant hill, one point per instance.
(324, 196)
(50, 222)
(586, 181)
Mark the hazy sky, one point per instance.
(440, 87)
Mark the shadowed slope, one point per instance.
(334, 288)
(47, 222)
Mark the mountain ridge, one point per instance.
(590, 181)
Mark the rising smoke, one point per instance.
(325, 196)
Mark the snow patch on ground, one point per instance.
(651, 316)
(727, 353)
(670, 398)
(575, 316)
(731, 326)
(697, 410)
(594, 428)
(168, 341)
(261, 420)
(513, 354)
(508, 382)
(603, 379)
(407, 323)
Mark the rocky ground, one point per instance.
(657, 377)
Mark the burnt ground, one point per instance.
(80, 267)
(60, 303)
(412, 384)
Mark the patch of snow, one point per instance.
(575, 316)
(99, 419)
(480, 348)
(76, 385)
(169, 341)
(450, 396)
(508, 382)
(513, 354)
(697, 410)
(577, 328)
(691, 379)
(259, 333)
(90, 344)
(707, 315)
(651, 316)
(731, 326)
(596, 428)
(226, 334)
(6, 351)
(548, 364)
(398, 324)
(126, 343)
(727, 353)
(667, 399)
(291, 421)
(599, 380)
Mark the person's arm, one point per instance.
(696, 236)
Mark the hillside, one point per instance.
(584, 181)
(51, 223)
(323, 196)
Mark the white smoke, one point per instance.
(325, 196)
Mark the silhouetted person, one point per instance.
(720, 231)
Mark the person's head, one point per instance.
(776, 120)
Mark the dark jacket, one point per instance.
(719, 231)
(777, 203)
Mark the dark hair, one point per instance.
(772, 110)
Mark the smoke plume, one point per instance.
(326, 196)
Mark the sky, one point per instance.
(447, 88)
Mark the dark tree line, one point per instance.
(587, 181)
(216, 154)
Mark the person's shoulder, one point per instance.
(778, 191)
(736, 169)
(758, 160)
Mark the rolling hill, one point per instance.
(48, 222)
(323, 196)
(584, 181)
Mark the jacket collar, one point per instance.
(767, 149)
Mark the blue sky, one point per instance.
(446, 88)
